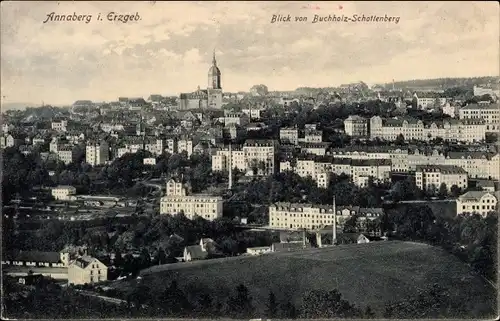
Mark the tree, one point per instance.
(369, 314)
(326, 304)
(351, 225)
(400, 140)
(443, 191)
(455, 190)
(240, 305)
(173, 301)
(272, 307)
(288, 311)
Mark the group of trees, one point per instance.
(159, 239)
(290, 187)
(239, 304)
(470, 237)
(48, 300)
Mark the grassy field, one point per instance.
(366, 274)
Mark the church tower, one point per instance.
(214, 89)
(214, 75)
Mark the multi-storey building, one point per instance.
(398, 156)
(260, 153)
(86, 270)
(319, 168)
(467, 130)
(240, 119)
(363, 169)
(312, 136)
(64, 192)
(480, 202)
(96, 153)
(356, 126)
(314, 148)
(289, 135)
(177, 201)
(431, 177)
(489, 112)
(185, 145)
(66, 153)
(289, 215)
(59, 125)
(221, 159)
(480, 91)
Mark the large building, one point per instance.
(319, 169)
(209, 98)
(176, 201)
(289, 215)
(289, 135)
(490, 113)
(260, 154)
(480, 202)
(64, 192)
(466, 130)
(356, 126)
(430, 177)
(87, 270)
(96, 153)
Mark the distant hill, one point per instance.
(15, 106)
(443, 83)
(366, 274)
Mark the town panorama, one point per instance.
(357, 201)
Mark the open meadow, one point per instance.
(366, 274)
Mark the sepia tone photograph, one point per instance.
(252, 160)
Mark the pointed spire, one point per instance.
(214, 62)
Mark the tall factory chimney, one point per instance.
(230, 167)
(334, 236)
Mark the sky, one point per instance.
(169, 49)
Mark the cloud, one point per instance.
(169, 50)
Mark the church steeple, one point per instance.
(214, 76)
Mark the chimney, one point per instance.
(334, 236)
(304, 237)
(230, 167)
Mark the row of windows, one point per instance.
(478, 207)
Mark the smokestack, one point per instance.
(230, 167)
(304, 237)
(334, 236)
(393, 85)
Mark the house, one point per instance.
(194, 252)
(288, 247)
(63, 192)
(87, 269)
(480, 202)
(39, 259)
(201, 251)
(356, 238)
(259, 250)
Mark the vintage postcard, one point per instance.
(249, 160)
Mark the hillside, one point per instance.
(366, 274)
(444, 83)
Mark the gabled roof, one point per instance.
(37, 256)
(477, 195)
(196, 252)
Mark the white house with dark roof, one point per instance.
(38, 259)
(87, 269)
(480, 202)
(201, 251)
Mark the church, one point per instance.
(209, 98)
